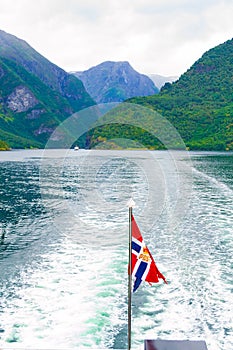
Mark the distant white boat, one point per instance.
(76, 148)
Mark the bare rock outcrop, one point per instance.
(21, 99)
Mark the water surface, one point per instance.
(63, 259)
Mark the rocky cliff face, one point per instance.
(51, 75)
(21, 99)
(35, 94)
(115, 82)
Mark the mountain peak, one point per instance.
(112, 81)
(36, 89)
(199, 104)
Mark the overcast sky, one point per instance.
(156, 36)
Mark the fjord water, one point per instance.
(63, 257)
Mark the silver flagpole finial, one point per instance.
(131, 203)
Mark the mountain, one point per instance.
(200, 103)
(115, 82)
(35, 94)
(160, 80)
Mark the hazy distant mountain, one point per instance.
(35, 94)
(115, 82)
(160, 80)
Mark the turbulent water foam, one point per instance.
(64, 255)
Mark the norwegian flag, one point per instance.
(143, 264)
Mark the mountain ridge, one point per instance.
(112, 81)
(35, 94)
(200, 103)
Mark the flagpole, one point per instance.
(130, 205)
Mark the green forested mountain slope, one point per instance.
(35, 94)
(28, 122)
(200, 103)
(50, 74)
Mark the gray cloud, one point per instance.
(155, 36)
